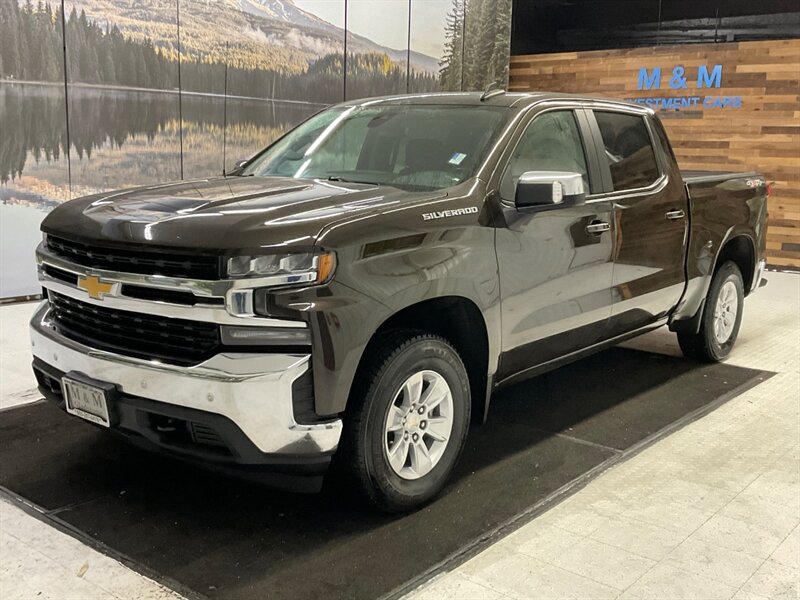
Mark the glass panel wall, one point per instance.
(34, 169)
(122, 97)
(159, 91)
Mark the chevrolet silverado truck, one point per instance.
(356, 292)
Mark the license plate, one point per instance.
(86, 401)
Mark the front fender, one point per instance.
(386, 264)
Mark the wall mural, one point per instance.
(159, 90)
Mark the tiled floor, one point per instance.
(16, 379)
(712, 511)
(40, 562)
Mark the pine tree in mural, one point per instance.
(30, 44)
(478, 37)
(451, 63)
(9, 40)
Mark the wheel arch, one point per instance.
(739, 248)
(457, 319)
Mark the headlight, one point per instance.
(284, 269)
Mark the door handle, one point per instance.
(597, 227)
(675, 214)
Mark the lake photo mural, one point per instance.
(97, 95)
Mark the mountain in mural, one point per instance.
(268, 34)
(287, 11)
(282, 10)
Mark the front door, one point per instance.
(651, 221)
(556, 265)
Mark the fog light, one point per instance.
(265, 336)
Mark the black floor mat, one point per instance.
(225, 538)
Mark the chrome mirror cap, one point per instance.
(549, 189)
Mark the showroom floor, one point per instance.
(711, 511)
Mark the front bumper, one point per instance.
(245, 398)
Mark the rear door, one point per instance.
(555, 274)
(651, 216)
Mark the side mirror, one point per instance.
(549, 189)
(237, 166)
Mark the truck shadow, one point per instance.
(225, 537)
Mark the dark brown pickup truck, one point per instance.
(359, 289)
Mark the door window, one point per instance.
(628, 150)
(551, 142)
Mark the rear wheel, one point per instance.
(407, 430)
(722, 317)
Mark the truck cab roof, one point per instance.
(505, 99)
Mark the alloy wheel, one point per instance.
(725, 312)
(418, 425)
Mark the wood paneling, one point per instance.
(763, 135)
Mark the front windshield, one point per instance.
(414, 147)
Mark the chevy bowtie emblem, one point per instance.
(92, 285)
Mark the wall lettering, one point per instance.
(708, 76)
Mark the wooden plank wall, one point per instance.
(763, 135)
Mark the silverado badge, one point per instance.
(450, 213)
(92, 285)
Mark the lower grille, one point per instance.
(174, 341)
(49, 383)
(206, 435)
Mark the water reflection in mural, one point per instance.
(122, 139)
(126, 134)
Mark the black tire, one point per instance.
(704, 344)
(363, 452)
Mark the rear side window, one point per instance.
(628, 149)
(662, 138)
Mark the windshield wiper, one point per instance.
(344, 180)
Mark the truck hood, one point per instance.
(233, 213)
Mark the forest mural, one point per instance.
(106, 94)
(477, 48)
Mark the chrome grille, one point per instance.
(151, 262)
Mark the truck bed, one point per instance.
(722, 204)
(723, 190)
(703, 177)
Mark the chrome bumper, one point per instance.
(252, 390)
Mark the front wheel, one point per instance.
(408, 428)
(722, 317)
